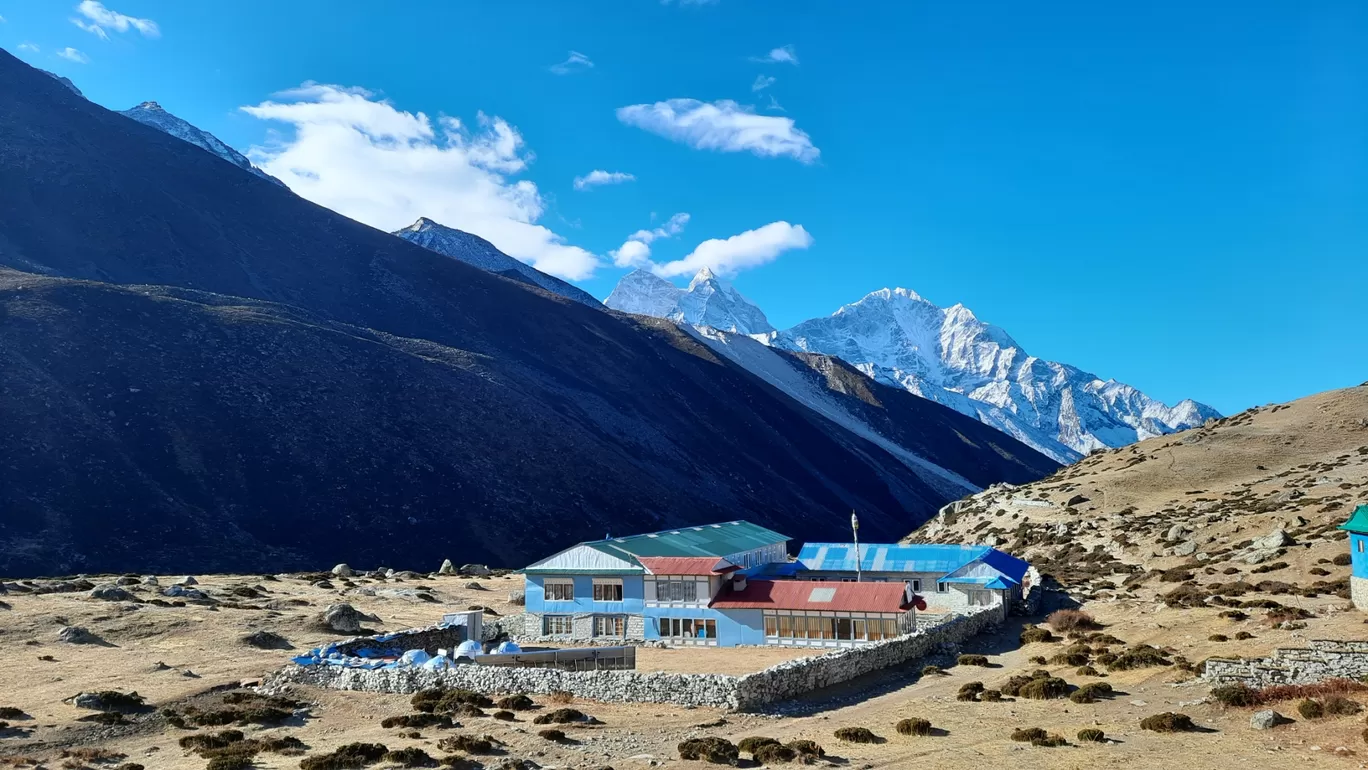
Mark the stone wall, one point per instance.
(781, 682)
(429, 639)
(1320, 660)
(1358, 591)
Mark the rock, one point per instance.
(1259, 557)
(1186, 548)
(127, 580)
(1278, 538)
(266, 640)
(76, 635)
(1297, 521)
(477, 570)
(406, 575)
(473, 586)
(1178, 532)
(151, 580)
(346, 619)
(179, 591)
(324, 584)
(447, 568)
(188, 580)
(1076, 500)
(87, 700)
(111, 593)
(1266, 719)
(342, 570)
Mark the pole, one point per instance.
(855, 529)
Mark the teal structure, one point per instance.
(1357, 527)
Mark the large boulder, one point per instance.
(188, 580)
(477, 570)
(346, 619)
(447, 568)
(342, 570)
(111, 593)
(76, 635)
(1278, 538)
(1266, 719)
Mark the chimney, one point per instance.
(739, 583)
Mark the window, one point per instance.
(980, 598)
(688, 628)
(1360, 544)
(610, 625)
(557, 625)
(560, 590)
(676, 590)
(843, 629)
(916, 585)
(942, 588)
(607, 590)
(771, 625)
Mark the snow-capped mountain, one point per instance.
(708, 301)
(950, 356)
(152, 114)
(476, 251)
(943, 354)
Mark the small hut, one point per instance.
(1357, 527)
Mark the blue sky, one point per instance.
(1172, 194)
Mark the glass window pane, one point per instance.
(771, 625)
(786, 626)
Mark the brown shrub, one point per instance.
(972, 660)
(560, 717)
(1071, 621)
(718, 751)
(1091, 735)
(552, 734)
(914, 726)
(1033, 634)
(857, 735)
(470, 744)
(1027, 734)
(1311, 709)
(1168, 722)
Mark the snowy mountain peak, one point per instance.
(154, 115)
(478, 252)
(708, 301)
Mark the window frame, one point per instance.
(550, 595)
(568, 621)
(618, 623)
(601, 592)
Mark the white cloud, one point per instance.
(576, 62)
(724, 126)
(774, 105)
(636, 250)
(71, 54)
(362, 157)
(30, 47)
(598, 177)
(102, 19)
(783, 55)
(762, 82)
(734, 254)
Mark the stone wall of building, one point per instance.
(781, 682)
(1320, 660)
(429, 639)
(1358, 591)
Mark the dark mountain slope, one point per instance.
(344, 395)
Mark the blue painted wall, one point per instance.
(1359, 561)
(633, 594)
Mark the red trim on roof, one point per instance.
(686, 565)
(798, 595)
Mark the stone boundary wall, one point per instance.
(1320, 660)
(428, 639)
(780, 682)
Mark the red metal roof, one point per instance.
(686, 565)
(814, 595)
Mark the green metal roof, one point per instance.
(1358, 522)
(705, 540)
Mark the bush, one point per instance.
(518, 702)
(1071, 621)
(1168, 722)
(552, 734)
(1087, 671)
(774, 754)
(203, 741)
(718, 751)
(1341, 560)
(417, 721)
(1340, 706)
(914, 726)
(1033, 634)
(113, 700)
(560, 717)
(452, 700)
(348, 756)
(1091, 735)
(807, 748)
(1244, 635)
(1218, 638)
(969, 691)
(1234, 615)
(1046, 688)
(1069, 659)
(1235, 695)
(505, 716)
(933, 671)
(234, 762)
(857, 735)
(1039, 660)
(1050, 741)
(1311, 709)
(10, 712)
(470, 744)
(561, 697)
(1139, 656)
(410, 757)
(990, 696)
(1028, 734)
(749, 745)
(972, 660)
(1267, 568)
(426, 700)
(1175, 575)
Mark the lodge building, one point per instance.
(733, 583)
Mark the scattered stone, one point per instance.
(266, 640)
(111, 593)
(127, 580)
(188, 580)
(1185, 548)
(324, 584)
(346, 619)
(342, 570)
(179, 591)
(447, 568)
(1178, 532)
(151, 580)
(473, 586)
(1278, 538)
(77, 635)
(1267, 719)
(1076, 500)
(476, 570)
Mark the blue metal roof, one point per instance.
(894, 557)
(719, 540)
(994, 581)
